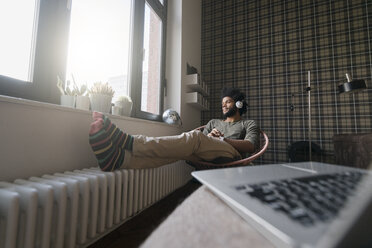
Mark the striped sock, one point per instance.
(118, 137)
(110, 157)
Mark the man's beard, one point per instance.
(230, 113)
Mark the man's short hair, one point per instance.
(237, 95)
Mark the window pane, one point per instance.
(18, 22)
(99, 43)
(150, 99)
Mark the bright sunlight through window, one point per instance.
(99, 43)
(18, 22)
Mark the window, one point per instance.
(18, 40)
(151, 69)
(121, 42)
(151, 19)
(33, 44)
(99, 43)
(100, 48)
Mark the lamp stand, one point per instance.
(308, 89)
(351, 86)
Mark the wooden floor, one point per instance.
(133, 232)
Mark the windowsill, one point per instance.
(39, 138)
(43, 105)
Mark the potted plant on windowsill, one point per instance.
(82, 100)
(125, 103)
(67, 95)
(100, 95)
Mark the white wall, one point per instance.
(183, 45)
(173, 55)
(38, 138)
(191, 53)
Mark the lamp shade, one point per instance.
(352, 86)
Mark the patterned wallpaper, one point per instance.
(267, 47)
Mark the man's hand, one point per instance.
(215, 133)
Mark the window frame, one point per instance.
(136, 62)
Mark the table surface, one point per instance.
(203, 220)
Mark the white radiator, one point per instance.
(76, 208)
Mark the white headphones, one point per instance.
(239, 104)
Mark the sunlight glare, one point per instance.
(99, 42)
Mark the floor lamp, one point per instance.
(350, 86)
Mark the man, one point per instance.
(226, 139)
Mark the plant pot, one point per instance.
(82, 102)
(116, 110)
(100, 103)
(68, 101)
(126, 107)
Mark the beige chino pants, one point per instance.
(151, 152)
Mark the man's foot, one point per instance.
(97, 115)
(117, 136)
(96, 126)
(109, 156)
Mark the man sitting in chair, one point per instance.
(221, 140)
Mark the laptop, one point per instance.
(307, 204)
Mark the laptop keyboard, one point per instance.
(308, 199)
